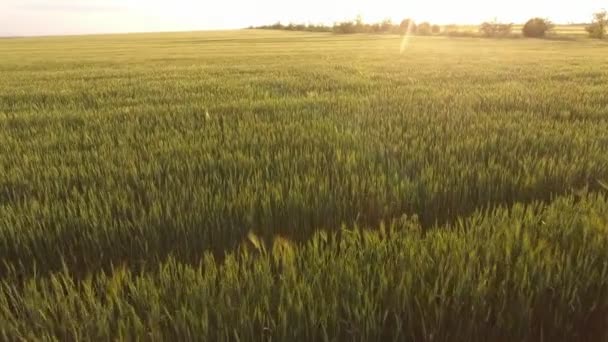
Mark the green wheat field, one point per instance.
(280, 186)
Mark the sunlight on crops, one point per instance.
(298, 186)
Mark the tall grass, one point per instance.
(127, 160)
(536, 272)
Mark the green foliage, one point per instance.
(119, 162)
(537, 27)
(195, 186)
(526, 274)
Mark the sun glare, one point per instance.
(405, 41)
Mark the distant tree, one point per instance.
(359, 24)
(436, 29)
(597, 29)
(277, 26)
(359, 20)
(495, 29)
(319, 28)
(407, 26)
(345, 27)
(424, 29)
(537, 28)
(386, 26)
(375, 28)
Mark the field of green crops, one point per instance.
(286, 186)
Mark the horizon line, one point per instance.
(108, 33)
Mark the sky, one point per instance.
(56, 17)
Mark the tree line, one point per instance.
(535, 28)
(407, 26)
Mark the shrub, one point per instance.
(436, 29)
(495, 29)
(537, 28)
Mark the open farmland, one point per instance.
(255, 185)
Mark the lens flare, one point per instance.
(405, 41)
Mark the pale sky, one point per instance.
(50, 17)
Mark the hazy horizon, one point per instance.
(73, 17)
